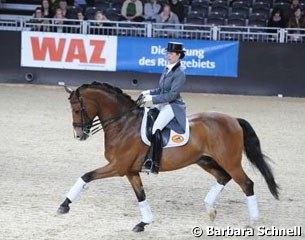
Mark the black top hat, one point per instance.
(175, 47)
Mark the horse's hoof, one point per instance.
(212, 215)
(139, 227)
(211, 210)
(252, 224)
(63, 209)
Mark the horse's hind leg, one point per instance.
(75, 191)
(222, 178)
(246, 184)
(147, 216)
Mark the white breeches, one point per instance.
(166, 114)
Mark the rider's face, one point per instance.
(173, 57)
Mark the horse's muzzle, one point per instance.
(80, 135)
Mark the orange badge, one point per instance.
(177, 138)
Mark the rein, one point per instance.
(86, 124)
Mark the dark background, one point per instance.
(263, 69)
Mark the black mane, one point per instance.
(109, 88)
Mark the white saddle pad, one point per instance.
(175, 139)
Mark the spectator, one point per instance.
(297, 19)
(37, 21)
(56, 3)
(59, 20)
(63, 5)
(80, 15)
(178, 9)
(100, 18)
(151, 10)
(46, 6)
(167, 16)
(132, 10)
(101, 21)
(276, 20)
(293, 6)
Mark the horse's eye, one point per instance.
(76, 111)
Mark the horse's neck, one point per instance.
(126, 128)
(110, 107)
(113, 107)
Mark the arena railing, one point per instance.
(147, 29)
(54, 25)
(250, 34)
(10, 24)
(183, 31)
(294, 35)
(131, 29)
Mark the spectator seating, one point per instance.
(112, 14)
(195, 17)
(236, 22)
(257, 22)
(102, 4)
(223, 10)
(232, 12)
(90, 12)
(241, 10)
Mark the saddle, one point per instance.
(170, 137)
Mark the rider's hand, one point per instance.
(146, 92)
(147, 98)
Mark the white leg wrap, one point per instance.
(147, 216)
(212, 195)
(76, 189)
(253, 208)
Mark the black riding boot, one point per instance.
(152, 162)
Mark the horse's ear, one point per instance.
(68, 90)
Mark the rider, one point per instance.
(169, 102)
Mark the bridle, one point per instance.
(86, 123)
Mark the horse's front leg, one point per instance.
(147, 216)
(103, 172)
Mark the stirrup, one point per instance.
(147, 166)
(155, 169)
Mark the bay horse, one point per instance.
(216, 144)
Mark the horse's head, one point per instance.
(107, 102)
(83, 113)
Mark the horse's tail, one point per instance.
(257, 158)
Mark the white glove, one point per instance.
(146, 92)
(147, 98)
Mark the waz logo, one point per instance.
(70, 50)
